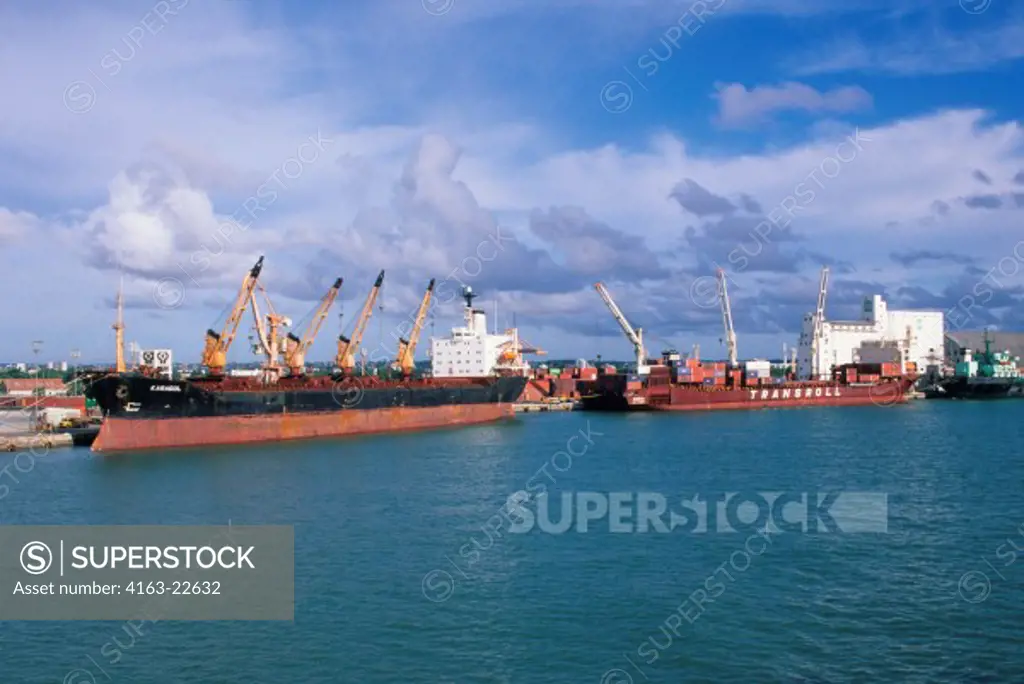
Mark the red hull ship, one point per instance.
(670, 384)
(146, 411)
(153, 413)
(664, 389)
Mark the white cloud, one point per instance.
(16, 225)
(210, 107)
(738, 107)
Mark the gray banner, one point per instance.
(147, 572)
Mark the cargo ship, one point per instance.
(695, 386)
(146, 410)
(672, 384)
(147, 413)
(992, 375)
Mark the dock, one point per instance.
(35, 440)
(542, 406)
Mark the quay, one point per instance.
(542, 406)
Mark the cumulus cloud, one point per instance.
(449, 182)
(738, 106)
(17, 224)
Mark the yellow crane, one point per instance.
(296, 347)
(348, 346)
(405, 361)
(215, 351)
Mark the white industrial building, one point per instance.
(879, 335)
(472, 352)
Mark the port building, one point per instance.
(902, 336)
(31, 387)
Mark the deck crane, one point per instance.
(271, 342)
(405, 360)
(347, 347)
(634, 336)
(730, 332)
(215, 351)
(296, 347)
(818, 333)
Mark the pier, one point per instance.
(542, 406)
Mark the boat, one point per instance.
(671, 386)
(148, 413)
(145, 409)
(989, 375)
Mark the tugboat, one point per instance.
(992, 375)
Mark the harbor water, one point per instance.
(397, 578)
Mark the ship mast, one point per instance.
(730, 332)
(405, 361)
(296, 347)
(347, 347)
(817, 337)
(118, 326)
(634, 335)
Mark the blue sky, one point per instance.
(638, 142)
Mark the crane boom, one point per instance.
(730, 332)
(634, 335)
(405, 361)
(215, 350)
(819, 325)
(296, 347)
(347, 347)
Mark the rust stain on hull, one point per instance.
(119, 434)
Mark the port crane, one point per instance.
(405, 361)
(215, 351)
(818, 333)
(634, 335)
(730, 332)
(295, 346)
(347, 346)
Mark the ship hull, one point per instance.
(612, 395)
(979, 388)
(145, 413)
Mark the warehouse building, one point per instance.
(917, 336)
(34, 387)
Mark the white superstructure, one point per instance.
(916, 335)
(471, 351)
